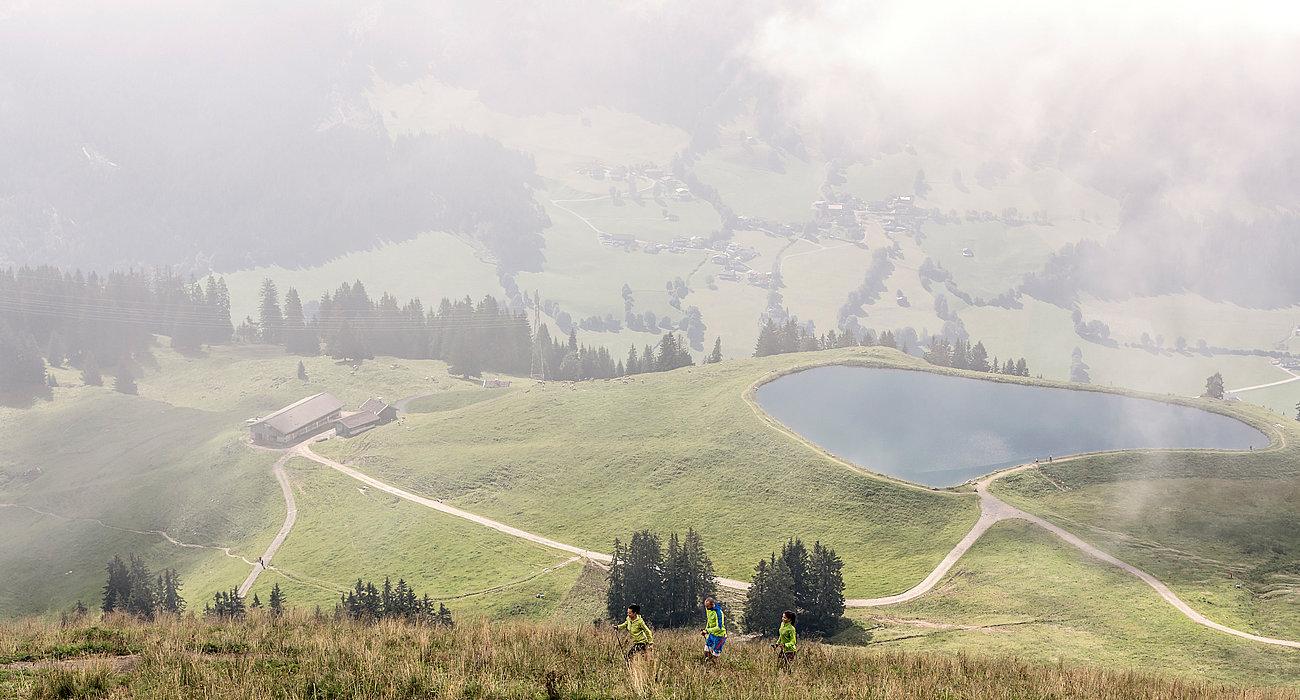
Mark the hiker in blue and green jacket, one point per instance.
(715, 629)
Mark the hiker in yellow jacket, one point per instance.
(787, 641)
(715, 629)
(642, 637)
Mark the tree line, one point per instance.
(472, 337)
(670, 586)
(368, 603)
(808, 583)
(90, 321)
(791, 336)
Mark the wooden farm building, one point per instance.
(373, 412)
(297, 421)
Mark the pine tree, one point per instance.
(795, 557)
(677, 605)
(298, 339)
(21, 365)
(825, 603)
(170, 600)
(698, 570)
(1214, 386)
(270, 317)
(1078, 368)
(1022, 368)
(616, 592)
(979, 358)
(633, 365)
(302, 371)
(118, 586)
(141, 598)
(715, 356)
(54, 352)
(124, 383)
(771, 592)
(257, 602)
(643, 578)
(769, 340)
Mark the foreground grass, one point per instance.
(300, 658)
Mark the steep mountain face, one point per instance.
(224, 140)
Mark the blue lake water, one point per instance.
(941, 430)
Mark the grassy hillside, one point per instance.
(583, 463)
(1221, 530)
(92, 473)
(345, 531)
(1022, 592)
(300, 658)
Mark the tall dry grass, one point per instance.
(298, 657)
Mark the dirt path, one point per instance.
(994, 510)
(1294, 377)
(291, 515)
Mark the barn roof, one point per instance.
(358, 420)
(373, 406)
(302, 413)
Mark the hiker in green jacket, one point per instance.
(715, 629)
(787, 641)
(636, 627)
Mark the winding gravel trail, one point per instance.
(290, 516)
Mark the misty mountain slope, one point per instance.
(999, 601)
(135, 465)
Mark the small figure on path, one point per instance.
(715, 629)
(638, 630)
(787, 641)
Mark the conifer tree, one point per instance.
(715, 356)
(124, 383)
(270, 317)
(771, 591)
(795, 557)
(616, 593)
(979, 358)
(54, 352)
(1214, 386)
(302, 371)
(644, 576)
(118, 587)
(825, 598)
(299, 339)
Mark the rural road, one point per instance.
(291, 515)
(1294, 377)
(992, 510)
